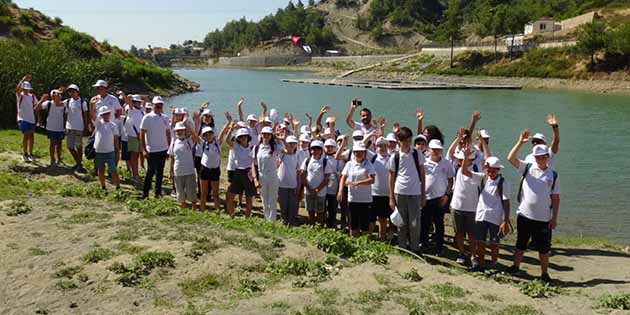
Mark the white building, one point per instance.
(542, 25)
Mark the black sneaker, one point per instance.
(475, 268)
(513, 270)
(546, 278)
(461, 259)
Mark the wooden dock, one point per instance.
(404, 85)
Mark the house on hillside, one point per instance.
(579, 20)
(543, 25)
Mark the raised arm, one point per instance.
(485, 148)
(476, 116)
(18, 88)
(353, 107)
(309, 121)
(464, 169)
(420, 118)
(321, 114)
(239, 108)
(342, 147)
(555, 207)
(458, 138)
(229, 140)
(45, 97)
(263, 112)
(513, 155)
(555, 142)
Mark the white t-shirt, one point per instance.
(490, 206)
(54, 121)
(198, 150)
(437, 175)
(287, 171)
(316, 173)
(104, 136)
(25, 105)
(75, 109)
(267, 161)
(132, 123)
(407, 180)
(346, 155)
(466, 192)
(155, 127)
(381, 180)
(253, 132)
(530, 158)
(333, 180)
(241, 157)
(302, 155)
(110, 101)
(355, 171)
(210, 154)
(182, 152)
(537, 190)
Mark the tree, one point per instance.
(620, 41)
(133, 50)
(515, 18)
(451, 29)
(591, 38)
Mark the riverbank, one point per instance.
(70, 249)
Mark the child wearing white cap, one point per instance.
(76, 125)
(380, 188)
(539, 138)
(439, 181)
(289, 177)
(539, 203)
(330, 148)
(27, 104)
(103, 98)
(131, 125)
(106, 146)
(358, 175)
(315, 175)
(182, 165)
(55, 125)
(242, 159)
(155, 137)
(265, 156)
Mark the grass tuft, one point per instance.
(620, 301)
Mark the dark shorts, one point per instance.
(124, 151)
(380, 207)
(464, 221)
(486, 232)
(230, 176)
(25, 126)
(210, 174)
(537, 230)
(56, 135)
(360, 215)
(242, 183)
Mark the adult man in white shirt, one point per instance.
(103, 98)
(539, 202)
(76, 125)
(365, 124)
(407, 189)
(155, 136)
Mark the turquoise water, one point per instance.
(594, 146)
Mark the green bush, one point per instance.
(79, 43)
(615, 301)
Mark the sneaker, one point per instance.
(31, 158)
(80, 169)
(53, 163)
(513, 270)
(546, 278)
(475, 268)
(25, 158)
(461, 259)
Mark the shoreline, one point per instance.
(593, 86)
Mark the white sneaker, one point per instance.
(25, 158)
(30, 157)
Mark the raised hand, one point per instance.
(205, 105)
(325, 109)
(240, 102)
(196, 116)
(228, 116)
(551, 120)
(27, 77)
(171, 108)
(396, 127)
(476, 116)
(419, 114)
(308, 116)
(296, 122)
(461, 132)
(524, 137)
(381, 122)
(353, 104)
(333, 119)
(263, 105)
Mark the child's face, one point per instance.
(291, 147)
(106, 117)
(493, 173)
(180, 133)
(243, 140)
(316, 152)
(208, 136)
(436, 153)
(331, 149)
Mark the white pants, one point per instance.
(269, 195)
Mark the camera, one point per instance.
(357, 103)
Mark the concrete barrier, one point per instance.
(262, 61)
(358, 61)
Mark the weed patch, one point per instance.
(615, 301)
(68, 272)
(87, 217)
(201, 247)
(198, 286)
(447, 290)
(65, 285)
(36, 251)
(141, 267)
(154, 207)
(412, 275)
(538, 289)
(91, 190)
(18, 208)
(97, 254)
(250, 287)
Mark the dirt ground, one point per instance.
(58, 255)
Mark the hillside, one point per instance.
(56, 55)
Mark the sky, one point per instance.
(158, 23)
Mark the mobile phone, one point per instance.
(357, 102)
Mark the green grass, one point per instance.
(200, 247)
(17, 208)
(193, 287)
(618, 301)
(68, 272)
(538, 289)
(589, 242)
(518, 310)
(141, 266)
(36, 251)
(97, 254)
(447, 290)
(66, 285)
(87, 217)
(412, 275)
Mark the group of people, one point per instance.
(376, 180)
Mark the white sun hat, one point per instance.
(381, 141)
(494, 162)
(180, 126)
(330, 143)
(305, 129)
(391, 137)
(243, 132)
(158, 100)
(291, 139)
(317, 144)
(104, 110)
(435, 144)
(252, 117)
(540, 149)
(27, 85)
(396, 218)
(357, 133)
(539, 136)
(100, 83)
(206, 130)
(73, 87)
(267, 130)
(359, 146)
(305, 137)
(484, 134)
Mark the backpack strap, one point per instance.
(520, 187)
(555, 177)
(256, 172)
(374, 158)
(396, 163)
(415, 161)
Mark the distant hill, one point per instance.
(56, 55)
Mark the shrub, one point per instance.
(619, 301)
(97, 254)
(141, 267)
(18, 208)
(538, 289)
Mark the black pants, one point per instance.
(155, 161)
(432, 214)
(331, 211)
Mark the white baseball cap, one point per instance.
(391, 137)
(381, 141)
(206, 112)
(104, 110)
(158, 100)
(136, 98)
(459, 154)
(100, 83)
(206, 130)
(179, 111)
(73, 87)
(484, 134)
(54, 92)
(283, 126)
(305, 129)
(180, 126)
(317, 144)
(26, 85)
(305, 137)
(252, 117)
(359, 146)
(243, 132)
(422, 137)
(539, 136)
(268, 120)
(267, 130)
(435, 144)
(291, 139)
(493, 162)
(242, 124)
(148, 105)
(330, 143)
(329, 120)
(341, 137)
(357, 133)
(540, 149)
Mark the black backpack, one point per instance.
(415, 161)
(89, 151)
(520, 187)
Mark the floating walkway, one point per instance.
(404, 85)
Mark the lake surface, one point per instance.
(594, 146)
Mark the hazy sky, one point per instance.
(154, 22)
